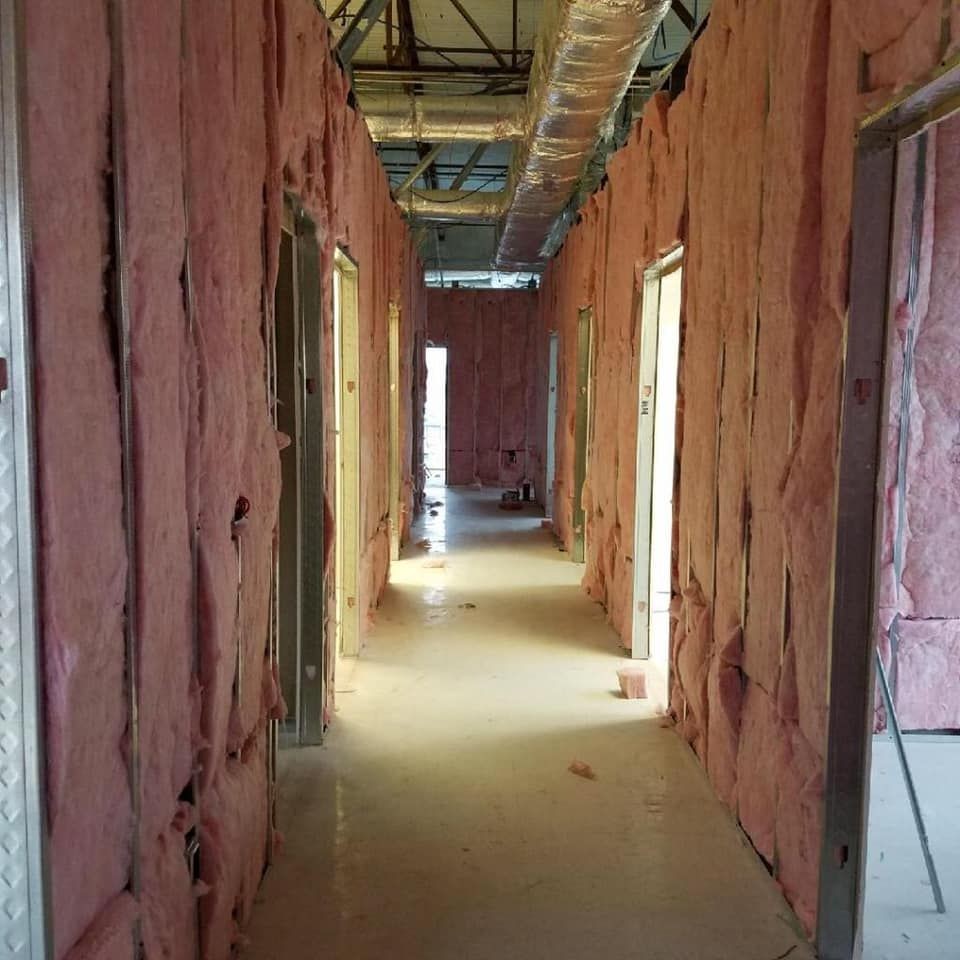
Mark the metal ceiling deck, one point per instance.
(451, 58)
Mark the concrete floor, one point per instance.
(440, 821)
(900, 922)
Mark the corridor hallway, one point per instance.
(440, 821)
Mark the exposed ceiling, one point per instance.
(466, 48)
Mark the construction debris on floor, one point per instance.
(633, 683)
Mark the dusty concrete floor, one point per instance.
(440, 821)
(900, 921)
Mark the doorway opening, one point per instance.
(550, 468)
(346, 354)
(656, 459)
(393, 461)
(298, 644)
(435, 418)
(583, 430)
(890, 863)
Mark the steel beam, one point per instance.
(390, 48)
(425, 163)
(684, 15)
(418, 71)
(484, 39)
(473, 51)
(468, 167)
(358, 28)
(407, 46)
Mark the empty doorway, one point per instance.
(435, 418)
(656, 458)
(890, 861)
(298, 645)
(550, 467)
(347, 428)
(582, 430)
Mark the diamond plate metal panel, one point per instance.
(23, 901)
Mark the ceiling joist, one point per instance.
(484, 39)
(681, 12)
(358, 28)
(426, 161)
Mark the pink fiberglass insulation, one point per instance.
(237, 103)
(321, 151)
(757, 768)
(82, 556)
(927, 674)
(931, 567)
(491, 367)
(751, 168)
(169, 898)
(110, 936)
(920, 554)
(234, 825)
(164, 382)
(236, 447)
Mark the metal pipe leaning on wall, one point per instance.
(400, 117)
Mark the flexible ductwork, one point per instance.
(462, 206)
(443, 119)
(587, 51)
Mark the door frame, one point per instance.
(310, 696)
(581, 431)
(647, 389)
(858, 506)
(313, 640)
(550, 464)
(284, 552)
(23, 858)
(346, 322)
(395, 506)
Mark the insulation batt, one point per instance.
(82, 558)
(110, 937)
(921, 508)
(238, 101)
(751, 169)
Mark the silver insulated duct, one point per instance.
(587, 52)
(462, 206)
(443, 119)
